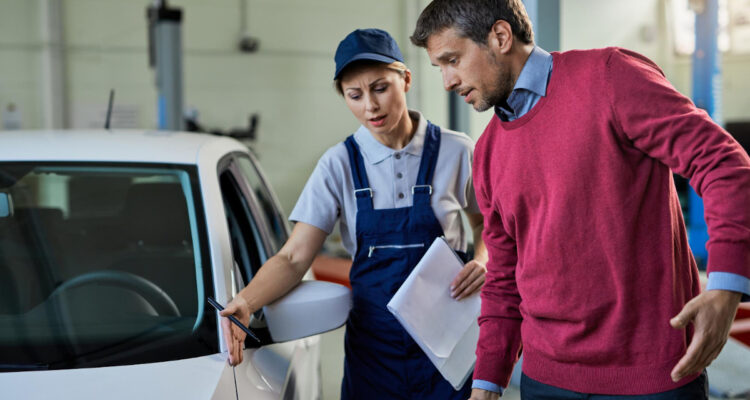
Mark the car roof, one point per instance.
(150, 146)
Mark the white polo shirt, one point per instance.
(328, 195)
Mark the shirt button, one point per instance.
(398, 156)
(399, 175)
(400, 195)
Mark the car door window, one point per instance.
(272, 215)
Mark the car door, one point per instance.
(258, 229)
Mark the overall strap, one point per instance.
(362, 189)
(423, 189)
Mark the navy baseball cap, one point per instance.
(366, 44)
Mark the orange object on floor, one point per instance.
(743, 311)
(741, 330)
(332, 269)
(741, 327)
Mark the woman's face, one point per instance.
(376, 96)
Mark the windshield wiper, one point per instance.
(23, 367)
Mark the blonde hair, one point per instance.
(396, 66)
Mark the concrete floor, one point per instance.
(332, 365)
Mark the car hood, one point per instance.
(207, 377)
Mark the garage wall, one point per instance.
(288, 81)
(20, 59)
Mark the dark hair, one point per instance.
(472, 19)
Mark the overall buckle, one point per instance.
(362, 190)
(421, 186)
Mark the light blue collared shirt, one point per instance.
(530, 87)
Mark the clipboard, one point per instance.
(444, 328)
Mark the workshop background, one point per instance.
(60, 58)
(271, 61)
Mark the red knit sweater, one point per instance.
(589, 257)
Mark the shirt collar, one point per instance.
(375, 152)
(535, 72)
(534, 75)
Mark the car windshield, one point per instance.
(102, 264)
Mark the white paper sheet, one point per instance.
(444, 328)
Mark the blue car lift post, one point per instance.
(165, 56)
(706, 95)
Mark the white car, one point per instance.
(110, 243)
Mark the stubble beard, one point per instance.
(499, 91)
(486, 102)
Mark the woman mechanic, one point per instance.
(395, 185)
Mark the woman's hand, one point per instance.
(275, 278)
(233, 335)
(469, 280)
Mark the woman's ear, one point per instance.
(407, 80)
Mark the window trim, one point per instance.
(274, 199)
(230, 163)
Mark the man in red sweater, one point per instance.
(589, 265)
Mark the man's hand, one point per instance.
(469, 280)
(479, 394)
(233, 335)
(711, 314)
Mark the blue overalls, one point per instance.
(382, 361)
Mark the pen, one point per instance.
(232, 318)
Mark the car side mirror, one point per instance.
(311, 308)
(6, 205)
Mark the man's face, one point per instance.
(473, 71)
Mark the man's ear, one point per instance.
(500, 37)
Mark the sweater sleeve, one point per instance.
(667, 126)
(499, 344)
